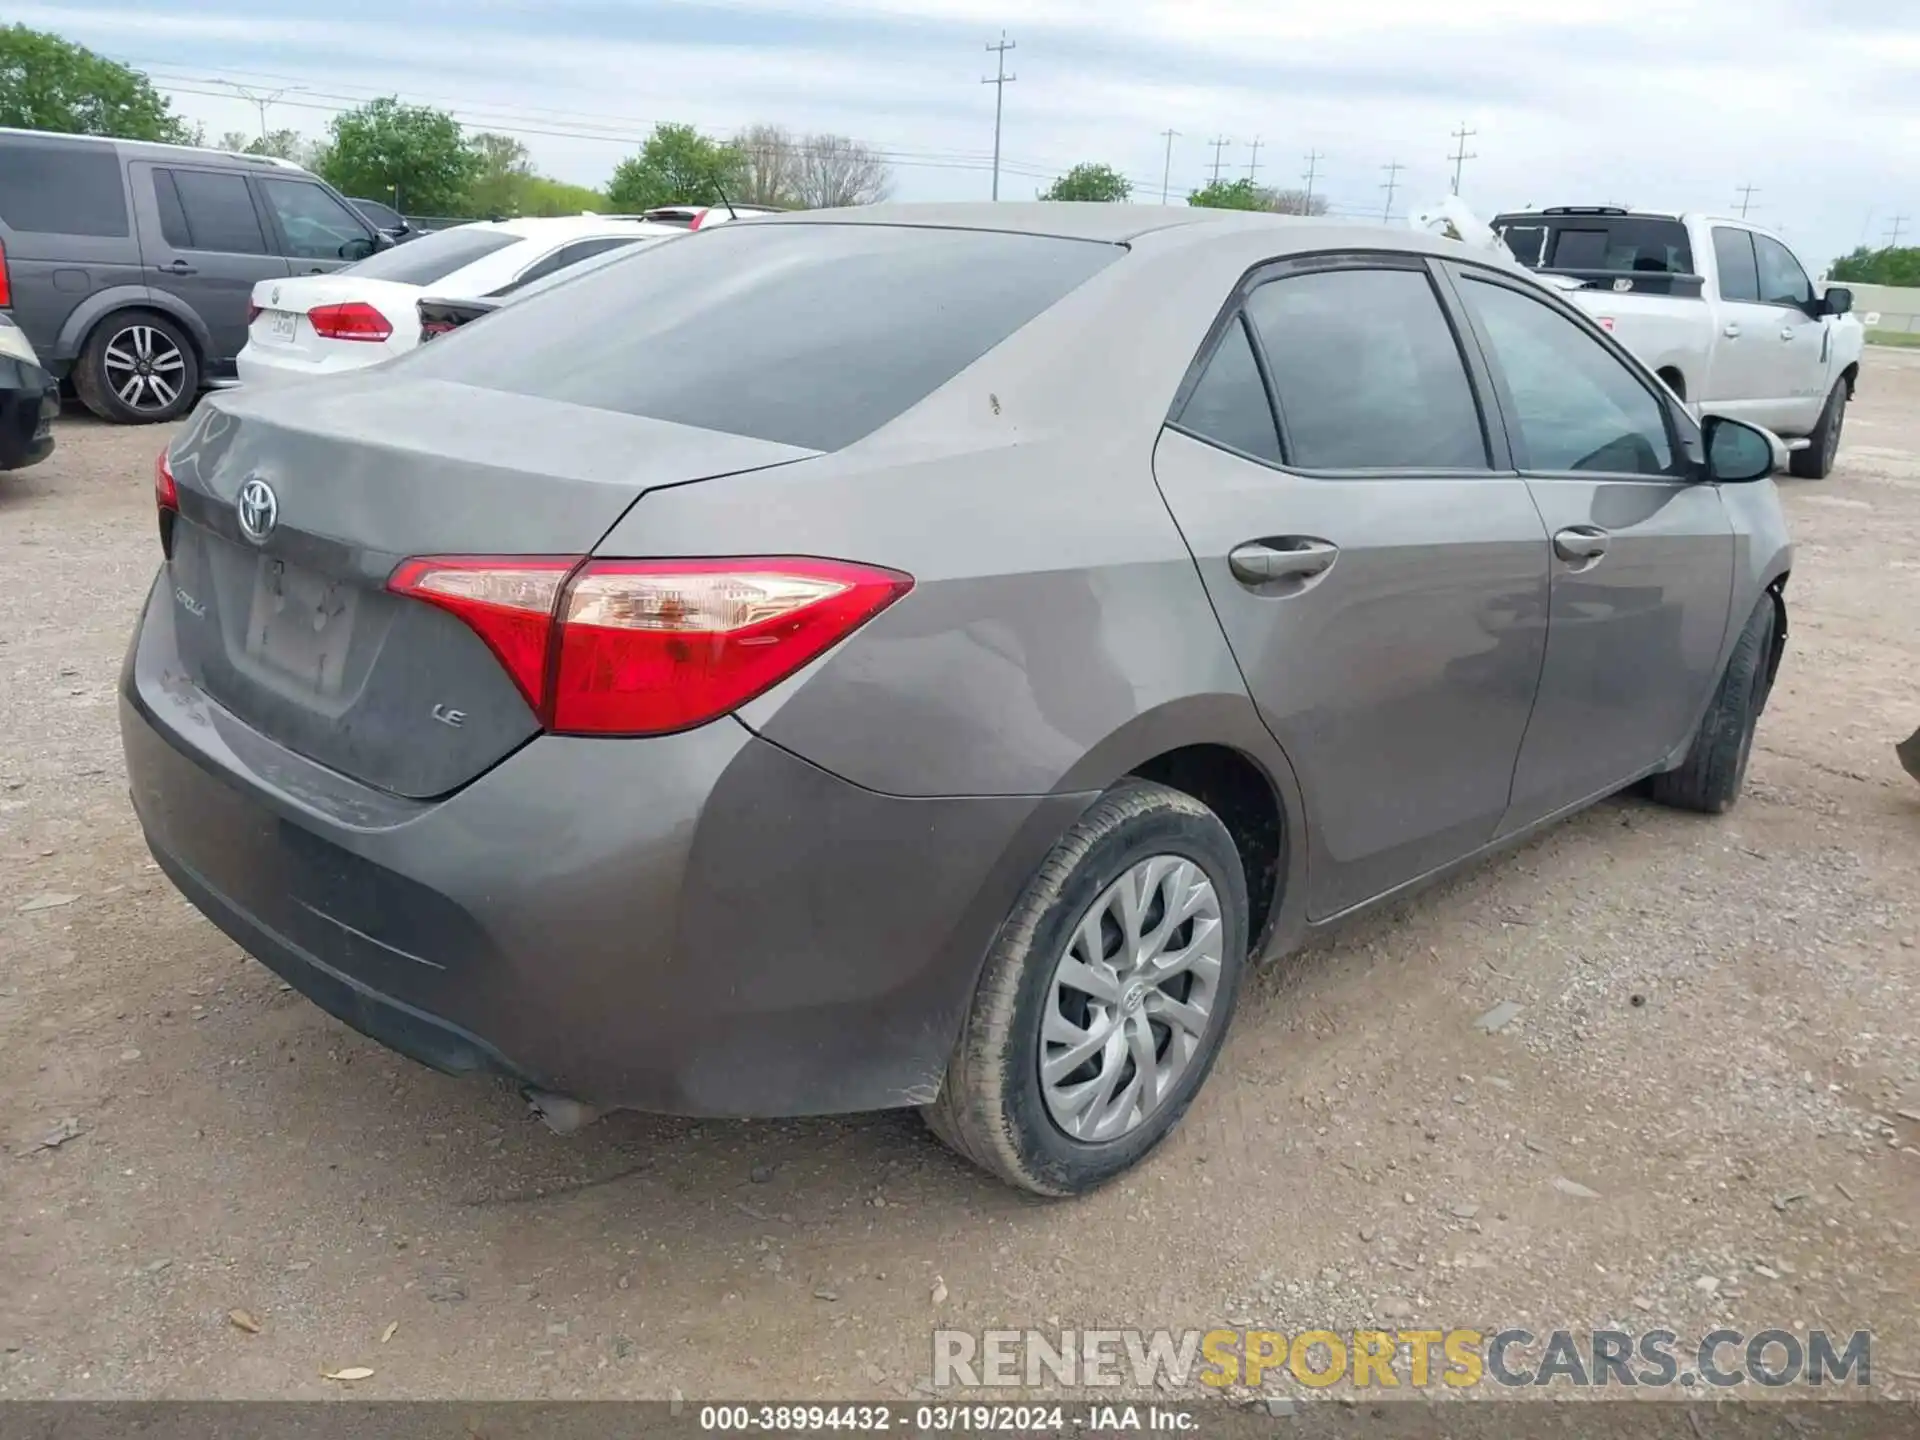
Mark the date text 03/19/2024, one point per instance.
(945, 1418)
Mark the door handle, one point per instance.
(178, 267)
(1581, 542)
(1786, 332)
(1732, 331)
(1260, 562)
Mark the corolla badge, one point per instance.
(259, 510)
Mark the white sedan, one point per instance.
(365, 313)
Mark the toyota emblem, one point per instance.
(274, 298)
(259, 510)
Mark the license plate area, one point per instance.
(300, 624)
(282, 324)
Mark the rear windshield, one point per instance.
(1611, 244)
(432, 257)
(51, 188)
(811, 335)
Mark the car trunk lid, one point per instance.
(296, 506)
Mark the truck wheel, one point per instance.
(137, 368)
(1710, 778)
(1104, 999)
(1816, 461)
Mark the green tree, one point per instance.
(411, 156)
(1090, 182)
(1879, 267)
(502, 170)
(1240, 194)
(281, 144)
(677, 166)
(47, 83)
(542, 195)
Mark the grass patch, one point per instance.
(1907, 338)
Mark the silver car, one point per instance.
(918, 656)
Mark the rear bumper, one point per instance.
(29, 401)
(700, 924)
(261, 368)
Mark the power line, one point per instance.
(1460, 156)
(1314, 157)
(999, 82)
(1746, 194)
(1219, 148)
(1893, 235)
(1253, 163)
(1393, 169)
(1166, 175)
(259, 102)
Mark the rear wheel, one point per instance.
(1817, 460)
(1105, 999)
(137, 368)
(1716, 767)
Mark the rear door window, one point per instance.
(433, 257)
(1229, 405)
(807, 334)
(208, 210)
(565, 256)
(1739, 277)
(1367, 372)
(313, 225)
(55, 188)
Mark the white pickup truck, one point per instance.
(1723, 310)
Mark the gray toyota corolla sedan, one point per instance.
(917, 656)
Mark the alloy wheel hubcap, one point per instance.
(1131, 999)
(144, 368)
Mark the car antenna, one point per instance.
(731, 213)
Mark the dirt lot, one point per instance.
(1721, 1028)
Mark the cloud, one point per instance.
(1637, 100)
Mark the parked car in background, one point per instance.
(330, 324)
(817, 680)
(1722, 309)
(703, 217)
(128, 265)
(387, 220)
(440, 315)
(29, 400)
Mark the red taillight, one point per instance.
(354, 320)
(253, 312)
(6, 282)
(431, 328)
(644, 647)
(165, 493)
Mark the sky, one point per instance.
(1653, 103)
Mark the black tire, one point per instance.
(110, 380)
(991, 1107)
(1817, 460)
(1710, 778)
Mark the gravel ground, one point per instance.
(1719, 1039)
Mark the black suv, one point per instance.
(131, 266)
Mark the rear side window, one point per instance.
(566, 256)
(1229, 405)
(432, 257)
(811, 335)
(384, 216)
(1733, 250)
(1367, 372)
(56, 189)
(205, 210)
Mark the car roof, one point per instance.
(156, 150)
(1160, 225)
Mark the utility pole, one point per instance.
(1166, 175)
(1219, 147)
(1393, 169)
(1000, 80)
(1314, 157)
(1460, 156)
(1253, 162)
(1893, 235)
(1746, 193)
(260, 101)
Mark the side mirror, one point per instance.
(358, 248)
(1839, 301)
(1738, 452)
